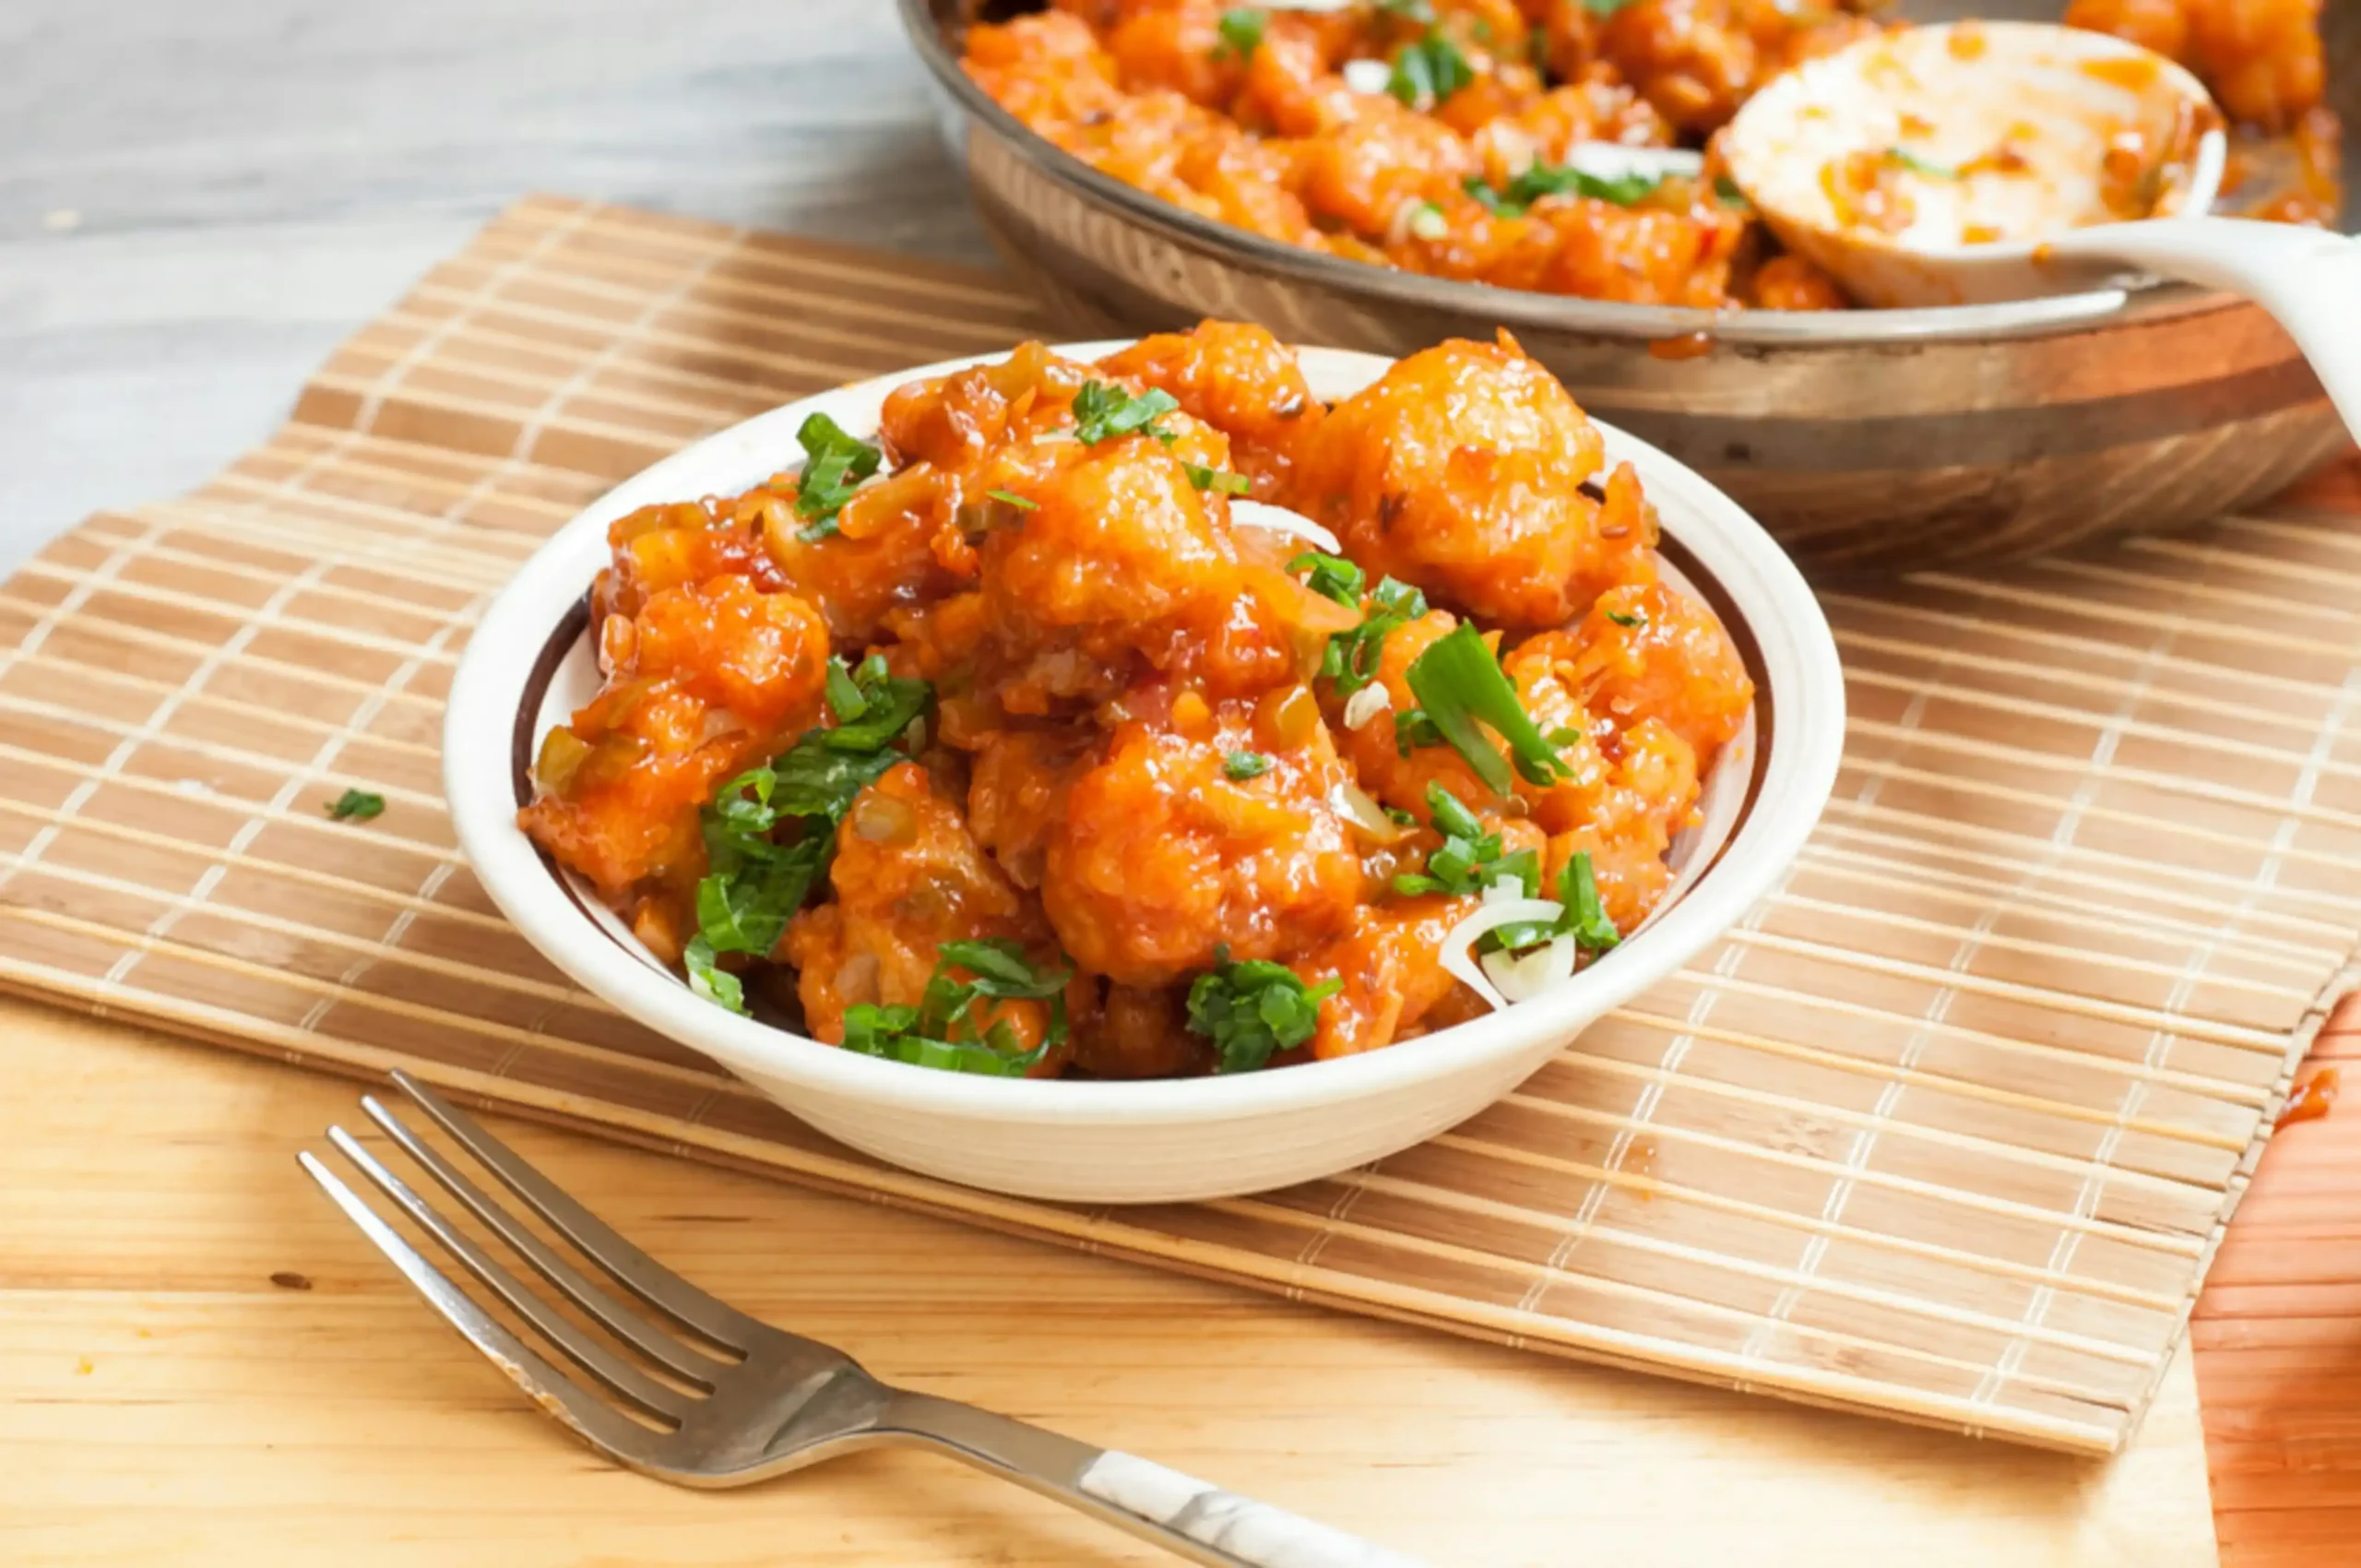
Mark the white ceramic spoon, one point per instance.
(1996, 136)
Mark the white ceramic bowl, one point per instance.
(531, 663)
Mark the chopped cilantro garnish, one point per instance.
(1429, 71)
(1458, 682)
(1351, 656)
(1622, 619)
(1017, 501)
(1332, 577)
(1902, 158)
(1242, 766)
(357, 805)
(1557, 179)
(835, 464)
(845, 697)
(1727, 190)
(1241, 32)
(1103, 413)
(1581, 916)
(1470, 858)
(940, 1031)
(770, 833)
(1254, 1010)
(1221, 481)
(708, 979)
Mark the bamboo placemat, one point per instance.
(1948, 1129)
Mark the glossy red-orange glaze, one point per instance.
(2312, 1099)
(1133, 766)
(1276, 139)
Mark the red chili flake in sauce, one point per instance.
(2311, 1101)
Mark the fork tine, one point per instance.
(588, 1353)
(594, 1421)
(638, 1273)
(624, 1324)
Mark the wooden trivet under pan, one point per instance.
(1948, 1129)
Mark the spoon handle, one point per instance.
(2307, 278)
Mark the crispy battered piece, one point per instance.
(1241, 381)
(908, 878)
(1141, 1034)
(2261, 59)
(706, 680)
(1164, 858)
(1459, 472)
(1391, 967)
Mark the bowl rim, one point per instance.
(1795, 770)
(1835, 330)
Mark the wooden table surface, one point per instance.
(202, 1362)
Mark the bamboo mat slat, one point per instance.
(1948, 1128)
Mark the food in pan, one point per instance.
(1007, 738)
(1478, 139)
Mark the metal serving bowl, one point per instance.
(1866, 440)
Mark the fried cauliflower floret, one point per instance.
(1164, 858)
(1459, 472)
(1396, 775)
(705, 681)
(1696, 61)
(1141, 1034)
(907, 877)
(1651, 651)
(1241, 381)
(2262, 59)
(1390, 968)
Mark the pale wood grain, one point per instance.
(161, 1401)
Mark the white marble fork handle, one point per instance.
(1250, 1531)
(1182, 1515)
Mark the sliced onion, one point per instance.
(1280, 520)
(1505, 888)
(1522, 979)
(1367, 704)
(1458, 954)
(1368, 75)
(1368, 818)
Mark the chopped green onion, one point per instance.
(1470, 858)
(1241, 32)
(1621, 619)
(1219, 481)
(1902, 158)
(1429, 71)
(835, 464)
(1414, 730)
(357, 805)
(1351, 658)
(1580, 916)
(1242, 766)
(1332, 577)
(1428, 222)
(1727, 190)
(1252, 1011)
(1458, 682)
(1604, 8)
(1557, 179)
(1419, 11)
(1103, 413)
(1017, 501)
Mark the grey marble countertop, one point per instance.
(198, 201)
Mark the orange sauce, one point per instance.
(2311, 1101)
(1690, 346)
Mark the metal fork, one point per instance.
(743, 1401)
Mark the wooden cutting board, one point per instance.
(200, 1362)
